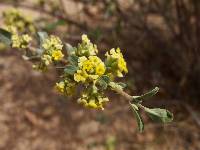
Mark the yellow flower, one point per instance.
(20, 41)
(92, 104)
(26, 38)
(93, 77)
(46, 59)
(81, 60)
(52, 43)
(85, 39)
(92, 101)
(86, 48)
(66, 87)
(11, 28)
(80, 76)
(16, 42)
(70, 88)
(82, 101)
(88, 66)
(102, 101)
(90, 69)
(52, 50)
(116, 63)
(57, 55)
(100, 69)
(13, 17)
(60, 86)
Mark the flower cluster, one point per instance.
(93, 101)
(20, 41)
(53, 48)
(18, 25)
(86, 48)
(115, 63)
(51, 52)
(90, 69)
(87, 70)
(66, 87)
(16, 21)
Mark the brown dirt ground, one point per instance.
(34, 117)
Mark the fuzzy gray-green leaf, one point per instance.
(5, 37)
(138, 118)
(159, 115)
(103, 81)
(42, 36)
(70, 69)
(70, 49)
(73, 59)
(146, 95)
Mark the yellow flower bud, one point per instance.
(92, 104)
(85, 39)
(60, 87)
(86, 48)
(116, 63)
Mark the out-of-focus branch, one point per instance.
(82, 26)
(196, 5)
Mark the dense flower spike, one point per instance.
(16, 21)
(20, 41)
(93, 101)
(115, 63)
(52, 43)
(89, 69)
(51, 52)
(66, 87)
(11, 29)
(86, 48)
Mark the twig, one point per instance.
(124, 94)
(193, 114)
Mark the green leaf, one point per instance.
(103, 81)
(146, 95)
(39, 51)
(159, 115)
(73, 59)
(5, 37)
(135, 106)
(138, 118)
(70, 69)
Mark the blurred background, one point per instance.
(161, 43)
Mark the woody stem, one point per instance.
(124, 94)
